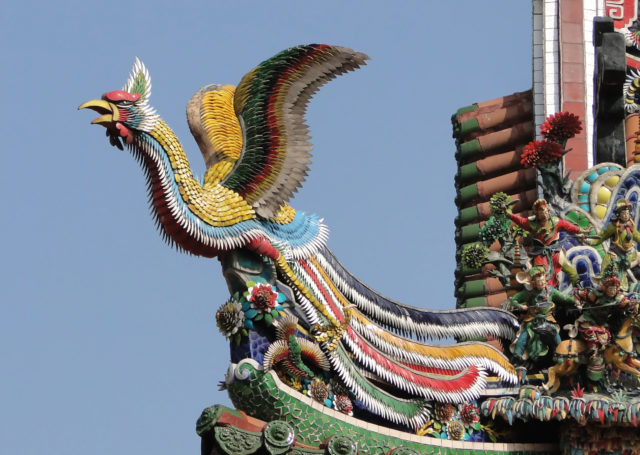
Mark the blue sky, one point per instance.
(107, 336)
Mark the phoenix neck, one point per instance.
(194, 216)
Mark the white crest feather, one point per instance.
(139, 81)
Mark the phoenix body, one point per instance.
(255, 144)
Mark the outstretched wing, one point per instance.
(216, 129)
(270, 102)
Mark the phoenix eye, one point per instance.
(124, 103)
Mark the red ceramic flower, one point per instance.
(343, 404)
(561, 126)
(469, 414)
(539, 152)
(262, 296)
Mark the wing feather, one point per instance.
(270, 102)
(216, 129)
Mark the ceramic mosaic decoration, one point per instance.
(322, 363)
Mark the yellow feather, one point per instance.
(220, 122)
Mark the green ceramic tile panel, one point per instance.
(259, 397)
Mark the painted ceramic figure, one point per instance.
(545, 231)
(539, 332)
(598, 305)
(624, 236)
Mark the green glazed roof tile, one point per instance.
(464, 110)
(468, 234)
(468, 215)
(469, 149)
(469, 126)
(467, 193)
(472, 288)
(475, 302)
(468, 172)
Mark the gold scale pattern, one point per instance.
(223, 130)
(215, 204)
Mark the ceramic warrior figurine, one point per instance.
(598, 306)
(622, 254)
(539, 332)
(545, 232)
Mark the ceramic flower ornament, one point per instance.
(261, 301)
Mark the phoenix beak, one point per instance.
(109, 111)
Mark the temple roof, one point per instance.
(489, 136)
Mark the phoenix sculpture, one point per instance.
(275, 259)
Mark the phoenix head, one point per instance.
(126, 112)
